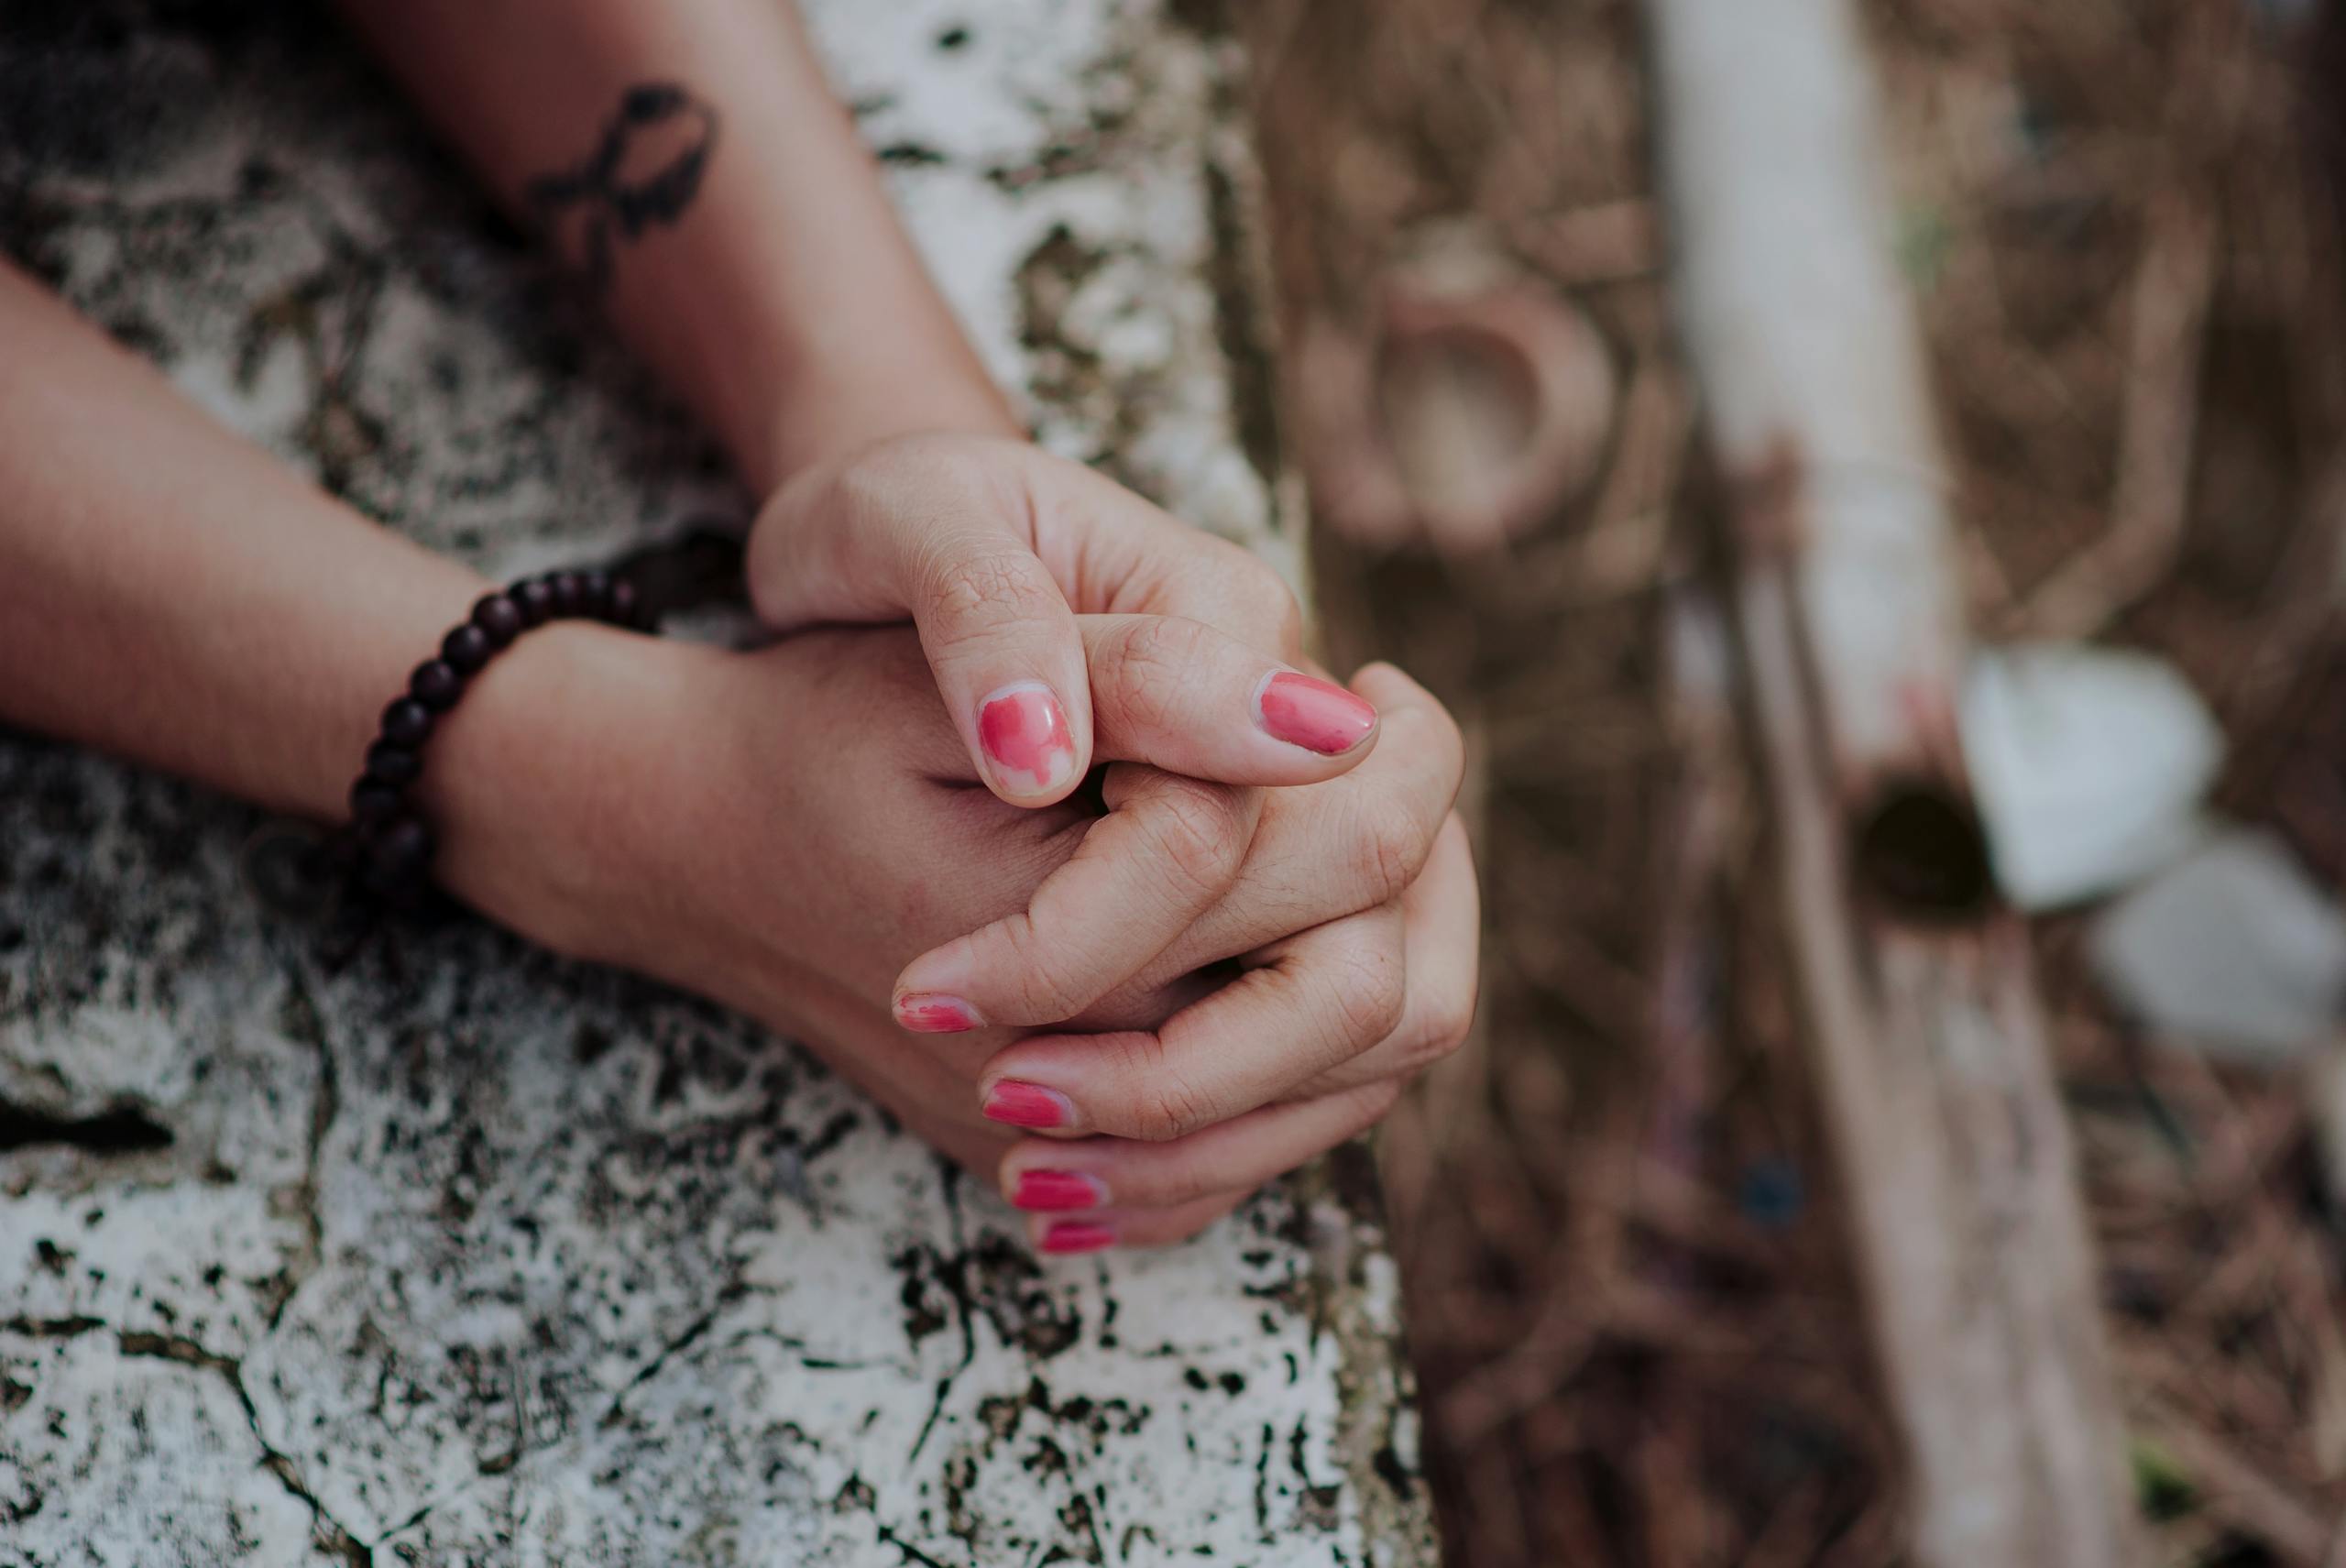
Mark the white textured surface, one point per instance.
(464, 1256)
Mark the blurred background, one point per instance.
(1630, 1285)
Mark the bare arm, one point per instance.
(173, 595)
(206, 611)
(691, 160)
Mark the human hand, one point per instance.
(778, 829)
(781, 830)
(985, 544)
(1354, 923)
(992, 547)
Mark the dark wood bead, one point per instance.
(402, 849)
(394, 765)
(465, 649)
(569, 592)
(626, 604)
(436, 685)
(535, 597)
(407, 723)
(499, 616)
(398, 860)
(594, 593)
(373, 802)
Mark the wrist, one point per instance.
(540, 786)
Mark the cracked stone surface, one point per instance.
(464, 1255)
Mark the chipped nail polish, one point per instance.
(935, 1014)
(1312, 714)
(1027, 1106)
(1073, 1235)
(1026, 736)
(1045, 1191)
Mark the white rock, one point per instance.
(2089, 765)
(2233, 949)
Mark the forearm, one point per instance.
(171, 594)
(174, 596)
(740, 237)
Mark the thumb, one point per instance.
(937, 531)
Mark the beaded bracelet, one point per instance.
(386, 851)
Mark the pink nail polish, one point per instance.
(1027, 1106)
(1072, 1235)
(1312, 714)
(1043, 1191)
(1025, 732)
(933, 1015)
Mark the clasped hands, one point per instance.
(1086, 875)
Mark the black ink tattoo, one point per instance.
(646, 169)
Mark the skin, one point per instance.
(815, 833)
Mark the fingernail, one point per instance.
(933, 1015)
(1073, 1235)
(1312, 714)
(1046, 1190)
(1028, 1105)
(1024, 733)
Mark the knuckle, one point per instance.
(1040, 985)
(1369, 995)
(1272, 602)
(889, 479)
(972, 595)
(1430, 731)
(1391, 849)
(1162, 1105)
(1449, 745)
(1449, 1017)
(1163, 1111)
(1253, 590)
(1196, 833)
(858, 490)
(1456, 1021)
(1371, 1103)
(1144, 675)
(922, 465)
